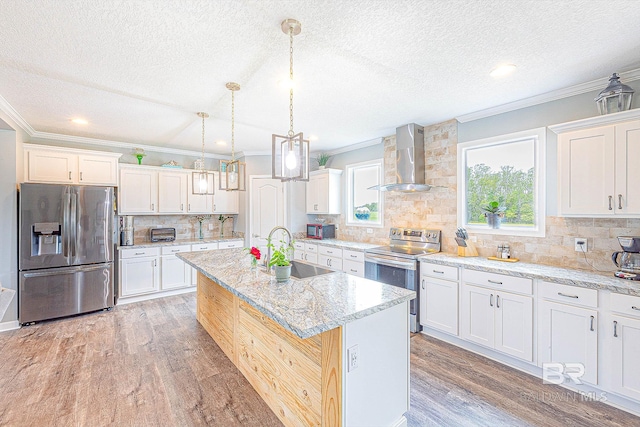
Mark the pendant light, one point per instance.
(290, 154)
(234, 170)
(202, 180)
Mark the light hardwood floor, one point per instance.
(152, 364)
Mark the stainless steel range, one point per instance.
(397, 264)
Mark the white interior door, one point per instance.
(266, 208)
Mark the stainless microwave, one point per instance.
(321, 231)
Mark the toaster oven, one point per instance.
(162, 234)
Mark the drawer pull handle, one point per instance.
(592, 320)
(494, 282)
(139, 253)
(355, 271)
(439, 272)
(633, 307)
(353, 256)
(567, 295)
(619, 201)
(175, 250)
(610, 200)
(615, 328)
(491, 300)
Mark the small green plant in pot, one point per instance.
(322, 160)
(280, 259)
(494, 213)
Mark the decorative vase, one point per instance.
(493, 219)
(321, 167)
(254, 263)
(283, 272)
(200, 235)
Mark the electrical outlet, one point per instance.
(337, 227)
(352, 358)
(210, 226)
(369, 230)
(580, 244)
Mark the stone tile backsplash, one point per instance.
(438, 209)
(186, 226)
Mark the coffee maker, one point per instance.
(629, 263)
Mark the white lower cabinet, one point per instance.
(175, 273)
(494, 316)
(353, 262)
(198, 248)
(567, 331)
(139, 271)
(625, 350)
(330, 257)
(439, 297)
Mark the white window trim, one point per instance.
(349, 196)
(539, 136)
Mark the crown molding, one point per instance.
(359, 145)
(607, 119)
(15, 116)
(254, 153)
(591, 86)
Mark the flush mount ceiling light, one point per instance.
(290, 154)
(502, 70)
(615, 97)
(235, 170)
(79, 121)
(201, 180)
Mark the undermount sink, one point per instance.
(301, 270)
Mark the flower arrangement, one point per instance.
(201, 219)
(222, 219)
(255, 256)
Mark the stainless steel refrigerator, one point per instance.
(66, 250)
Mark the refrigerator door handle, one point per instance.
(74, 223)
(67, 270)
(66, 226)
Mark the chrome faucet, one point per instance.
(268, 258)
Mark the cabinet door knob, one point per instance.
(610, 200)
(619, 201)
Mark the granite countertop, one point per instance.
(341, 244)
(305, 307)
(566, 276)
(177, 242)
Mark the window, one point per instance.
(364, 206)
(509, 170)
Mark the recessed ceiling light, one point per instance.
(221, 142)
(502, 70)
(79, 121)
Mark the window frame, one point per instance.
(349, 194)
(539, 137)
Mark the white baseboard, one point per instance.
(9, 326)
(145, 297)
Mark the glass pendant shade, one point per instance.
(290, 158)
(615, 97)
(202, 181)
(232, 175)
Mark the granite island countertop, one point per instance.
(340, 244)
(565, 276)
(177, 242)
(305, 307)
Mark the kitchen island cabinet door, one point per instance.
(138, 191)
(514, 325)
(139, 276)
(625, 351)
(439, 304)
(568, 334)
(477, 315)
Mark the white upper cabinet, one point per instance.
(172, 192)
(69, 166)
(138, 190)
(323, 192)
(596, 171)
(225, 202)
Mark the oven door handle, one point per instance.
(407, 265)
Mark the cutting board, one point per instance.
(492, 258)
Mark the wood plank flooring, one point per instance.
(152, 364)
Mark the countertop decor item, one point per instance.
(280, 259)
(223, 219)
(234, 170)
(202, 180)
(465, 247)
(172, 164)
(493, 258)
(201, 219)
(615, 97)
(290, 153)
(255, 257)
(139, 154)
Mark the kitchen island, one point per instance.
(328, 350)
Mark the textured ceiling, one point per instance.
(138, 71)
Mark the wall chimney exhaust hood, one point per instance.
(409, 161)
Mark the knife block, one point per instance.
(468, 251)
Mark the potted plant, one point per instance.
(280, 258)
(322, 160)
(494, 213)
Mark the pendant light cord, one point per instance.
(233, 126)
(202, 158)
(291, 81)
